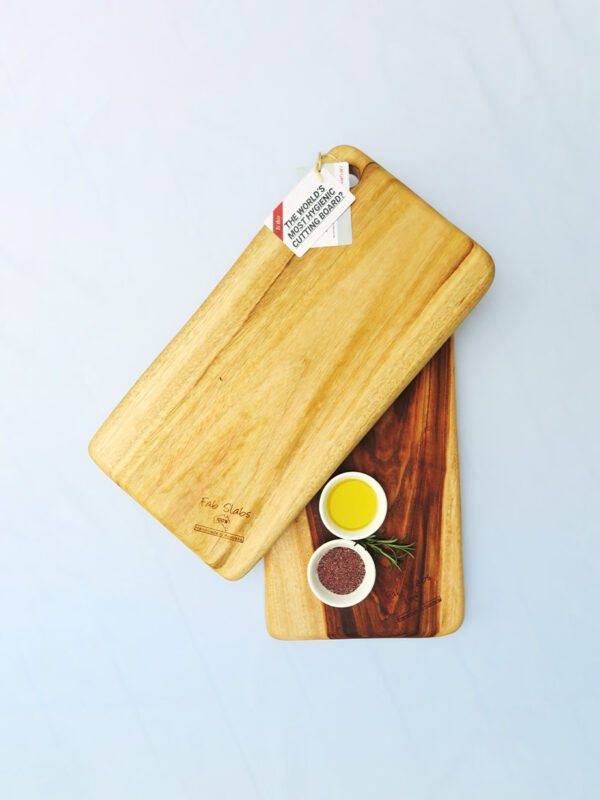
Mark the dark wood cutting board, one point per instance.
(412, 451)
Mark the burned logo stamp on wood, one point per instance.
(221, 520)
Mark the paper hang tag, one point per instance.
(309, 210)
(340, 233)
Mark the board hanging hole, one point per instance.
(354, 175)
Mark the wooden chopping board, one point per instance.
(285, 367)
(412, 451)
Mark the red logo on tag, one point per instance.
(278, 221)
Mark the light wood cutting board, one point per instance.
(286, 365)
(413, 452)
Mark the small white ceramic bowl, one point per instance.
(331, 598)
(362, 533)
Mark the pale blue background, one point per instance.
(141, 146)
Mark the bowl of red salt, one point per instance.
(341, 573)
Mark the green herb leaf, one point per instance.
(392, 549)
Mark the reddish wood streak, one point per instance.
(406, 452)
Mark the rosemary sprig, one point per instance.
(392, 549)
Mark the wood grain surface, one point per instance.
(283, 369)
(413, 453)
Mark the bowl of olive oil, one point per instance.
(353, 505)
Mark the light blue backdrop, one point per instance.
(141, 145)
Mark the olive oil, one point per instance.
(352, 504)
